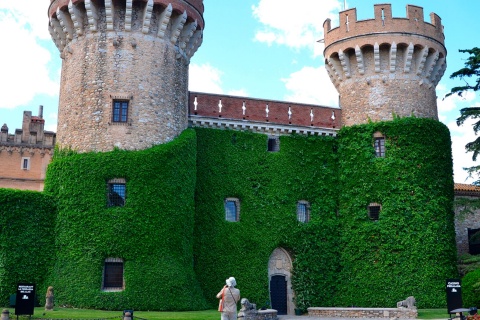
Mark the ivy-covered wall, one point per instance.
(152, 233)
(178, 249)
(268, 185)
(410, 250)
(27, 240)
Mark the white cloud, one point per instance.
(24, 64)
(27, 15)
(239, 92)
(205, 78)
(284, 24)
(311, 85)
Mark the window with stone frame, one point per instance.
(116, 192)
(25, 165)
(379, 144)
(113, 275)
(474, 241)
(374, 210)
(303, 211)
(232, 209)
(120, 111)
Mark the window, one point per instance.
(273, 144)
(474, 241)
(374, 211)
(379, 144)
(25, 165)
(232, 209)
(303, 211)
(116, 193)
(120, 111)
(113, 275)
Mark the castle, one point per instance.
(160, 193)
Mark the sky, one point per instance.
(264, 49)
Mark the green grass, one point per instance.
(71, 313)
(433, 314)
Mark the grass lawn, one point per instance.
(67, 313)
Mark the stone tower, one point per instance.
(385, 67)
(125, 64)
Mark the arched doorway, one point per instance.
(280, 284)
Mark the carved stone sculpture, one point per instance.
(49, 299)
(407, 303)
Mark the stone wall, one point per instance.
(402, 313)
(385, 67)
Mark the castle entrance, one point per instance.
(279, 276)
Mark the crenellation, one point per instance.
(381, 46)
(60, 38)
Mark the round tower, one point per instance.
(385, 67)
(124, 80)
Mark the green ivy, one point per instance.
(178, 249)
(152, 233)
(27, 240)
(410, 250)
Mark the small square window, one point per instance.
(303, 211)
(113, 275)
(120, 111)
(374, 211)
(116, 193)
(25, 165)
(273, 144)
(232, 209)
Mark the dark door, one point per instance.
(278, 294)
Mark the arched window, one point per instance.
(303, 211)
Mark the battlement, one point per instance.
(179, 22)
(260, 111)
(395, 63)
(383, 22)
(31, 135)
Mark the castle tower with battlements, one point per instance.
(125, 64)
(385, 67)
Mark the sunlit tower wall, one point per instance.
(134, 53)
(385, 67)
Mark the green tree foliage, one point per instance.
(471, 289)
(471, 70)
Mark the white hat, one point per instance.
(231, 282)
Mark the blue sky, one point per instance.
(257, 48)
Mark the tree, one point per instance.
(471, 70)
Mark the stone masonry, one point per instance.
(385, 67)
(133, 51)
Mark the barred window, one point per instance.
(120, 111)
(232, 209)
(25, 165)
(374, 211)
(116, 193)
(379, 144)
(474, 241)
(303, 211)
(113, 274)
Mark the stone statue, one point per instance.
(407, 303)
(248, 310)
(49, 299)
